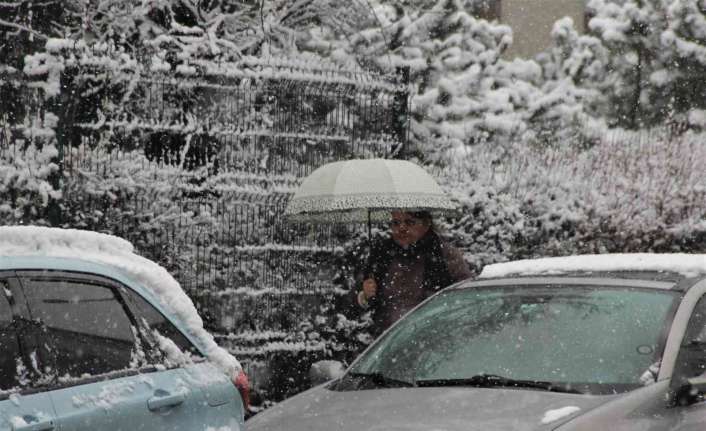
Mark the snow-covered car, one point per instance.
(600, 342)
(96, 337)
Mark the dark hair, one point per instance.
(422, 215)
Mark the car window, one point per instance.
(84, 325)
(9, 365)
(156, 321)
(691, 361)
(599, 339)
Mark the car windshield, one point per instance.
(567, 338)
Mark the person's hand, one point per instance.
(370, 287)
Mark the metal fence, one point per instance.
(196, 172)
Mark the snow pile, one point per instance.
(686, 264)
(325, 370)
(116, 252)
(555, 415)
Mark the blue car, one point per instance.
(88, 345)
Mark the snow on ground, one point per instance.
(689, 265)
(118, 253)
(554, 415)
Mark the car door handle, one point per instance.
(34, 425)
(165, 399)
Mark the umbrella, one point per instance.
(363, 190)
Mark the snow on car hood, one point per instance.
(118, 253)
(424, 409)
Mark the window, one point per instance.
(9, 346)
(529, 333)
(85, 326)
(157, 322)
(691, 361)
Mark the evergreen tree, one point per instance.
(631, 30)
(574, 86)
(463, 91)
(683, 42)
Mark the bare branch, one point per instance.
(22, 28)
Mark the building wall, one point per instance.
(532, 22)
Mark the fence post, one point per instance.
(400, 114)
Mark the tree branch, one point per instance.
(22, 28)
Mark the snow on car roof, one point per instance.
(118, 253)
(688, 265)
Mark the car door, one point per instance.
(106, 373)
(691, 362)
(223, 408)
(24, 401)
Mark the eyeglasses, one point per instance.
(410, 222)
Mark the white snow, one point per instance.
(109, 396)
(650, 375)
(686, 264)
(118, 253)
(327, 368)
(232, 427)
(555, 415)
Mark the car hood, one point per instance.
(428, 409)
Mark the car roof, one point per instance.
(13, 263)
(75, 249)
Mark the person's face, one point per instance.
(407, 229)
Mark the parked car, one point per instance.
(95, 337)
(609, 342)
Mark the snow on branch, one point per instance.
(16, 26)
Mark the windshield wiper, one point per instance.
(382, 381)
(493, 380)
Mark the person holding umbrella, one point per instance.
(414, 261)
(407, 267)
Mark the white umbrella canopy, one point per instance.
(362, 190)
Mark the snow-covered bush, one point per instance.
(632, 191)
(29, 178)
(26, 188)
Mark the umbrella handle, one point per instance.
(370, 239)
(370, 229)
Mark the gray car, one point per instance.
(539, 346)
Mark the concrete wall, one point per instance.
(532, 21)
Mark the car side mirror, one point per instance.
(691, 391)
(323, 371)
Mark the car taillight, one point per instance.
(241, 382)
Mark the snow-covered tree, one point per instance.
(463, 91)
(25, 26)
(574, 85)
(631, 30)
(683, 44)
(225, 29)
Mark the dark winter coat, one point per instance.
(405, 277)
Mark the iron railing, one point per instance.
(196, 172)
